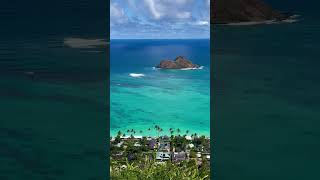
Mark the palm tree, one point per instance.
(128, 131)
(187, 132)
(171, 132)
(149, 131)
(157, 128)
(160, 130)
(178, 130)
(123, 135)
(140, 131)
(172, 137)
(119, 133)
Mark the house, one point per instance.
(164, 146)
(206, 155)
(198, 154)
(131, 137)
(125, 137)
(199, 148)
(152, 144)
(138, 137)
(179, 156)
(119, 155)
(190, 146)
(119, 144)
(188, 138)
(163, 156)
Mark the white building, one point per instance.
(163, 156)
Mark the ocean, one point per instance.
(53, 100)
(266, 100)
(178, 99)
(54, 103)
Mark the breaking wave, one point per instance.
(136, 75)
(184, 69)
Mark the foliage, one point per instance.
(150, 170)
(179, 142)
(132, 158)
(117, 139)
(193, 154)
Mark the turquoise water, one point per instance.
(53, 118)
(53, 112)
(266, 101)
(168, 98)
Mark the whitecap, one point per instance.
(290, 20)
(136, 75)
(184, 69)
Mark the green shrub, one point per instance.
(149, 170)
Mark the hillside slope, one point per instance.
(234, 11)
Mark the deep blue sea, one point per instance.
(178, 99)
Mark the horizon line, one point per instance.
(159, 38)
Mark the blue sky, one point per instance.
(159, 19)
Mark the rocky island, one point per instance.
(244, 11)
(179, 62)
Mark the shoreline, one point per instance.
(154, 133)
(158, 131)
(127, 136)
(290, 19)
(156, 137)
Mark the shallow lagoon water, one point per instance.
(143, 96)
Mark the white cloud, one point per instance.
(152, 8)
(168, 9)
(183, 15)
(163, 18)
(117, 14)
(201, 23)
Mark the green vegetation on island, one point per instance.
(162, 157)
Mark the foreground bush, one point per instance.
(152, 171)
